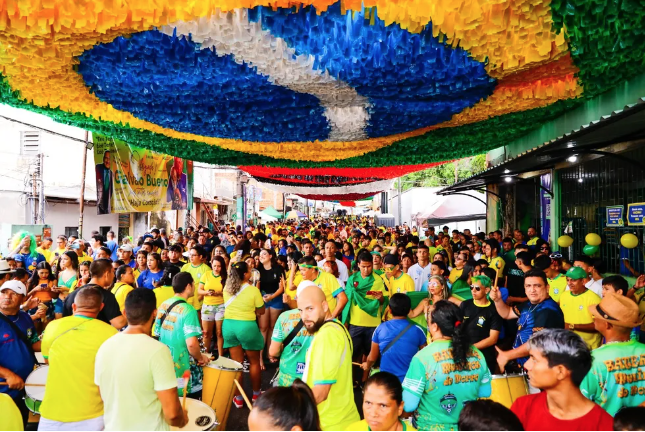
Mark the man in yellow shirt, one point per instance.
(328, 366)
(45, 248)
(197, 269)
(336, 297)
(575, 303)
(366, 294)
(72, 401)
(395, 279)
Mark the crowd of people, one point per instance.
(422, 322)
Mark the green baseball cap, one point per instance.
(576, 273)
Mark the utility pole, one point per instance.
(82, 203)
(41, 174)
(399, 201)
(34, 193)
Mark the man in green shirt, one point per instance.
(180, 331)
(293, 355)
(616, 379)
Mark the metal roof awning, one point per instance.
(620, 126)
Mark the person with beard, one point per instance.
(328, 367)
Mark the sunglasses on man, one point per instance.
(476, 288)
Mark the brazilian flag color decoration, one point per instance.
(336, 97)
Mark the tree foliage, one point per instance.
(444, 175)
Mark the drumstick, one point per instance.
(496, 274)
(186, 378)
(4, 383)
(246, 399)
(357, 364)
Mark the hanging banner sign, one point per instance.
(615, 216)
(636, 214)
(131, 179)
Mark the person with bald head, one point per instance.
(72, 401)
(328, 366)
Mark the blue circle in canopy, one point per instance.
(409, 80)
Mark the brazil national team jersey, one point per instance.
(292, 360)
(616, 377)
(557, 286)
(444, 387)
(576, 311)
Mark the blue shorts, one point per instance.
(276, 303)
(58, 306)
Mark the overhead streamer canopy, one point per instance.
(317, 92)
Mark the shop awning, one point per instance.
(591, 140)
(455, 208)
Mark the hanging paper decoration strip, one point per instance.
(318, 85)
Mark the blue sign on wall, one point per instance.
(615, 216)
(636, 214)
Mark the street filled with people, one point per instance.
(443, 330)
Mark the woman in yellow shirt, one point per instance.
(211, 286)
(123, 286)
(243, 303)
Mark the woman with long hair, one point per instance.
(437, 291)
(331, 267)
(445, 374)
(290, 408)
(382, 405)
(348, 254)
(41, 285)
(67, 266)
(153, 273)
(243, 303)
(272, 287)
(221, 252)
(211, 286)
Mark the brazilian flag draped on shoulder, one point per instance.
(356, 290)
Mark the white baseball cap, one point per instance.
(15, 286)
(303, 285)
(126, 247)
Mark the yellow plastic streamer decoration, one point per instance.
(40, 40)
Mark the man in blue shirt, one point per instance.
(398, 356)
(112, 245)
(534, 315)
(17, 360)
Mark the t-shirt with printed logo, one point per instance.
(293, 357)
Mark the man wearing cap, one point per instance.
(610, 382)
(18, 340)
(125, 252)
(78, 246)
(575, 303)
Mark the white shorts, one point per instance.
(95, 424)
(213, 313)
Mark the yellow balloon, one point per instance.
(565, 241)
(630, 241)
(593, 239)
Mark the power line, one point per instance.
(43, 129)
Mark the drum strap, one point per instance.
(21, 336)
(292, 335)
(164, 316)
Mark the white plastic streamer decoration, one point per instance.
(231, 33)
(373, 187)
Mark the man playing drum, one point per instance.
(72, 400)
(135, 373)
(18, 340)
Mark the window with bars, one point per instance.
(587, 190)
